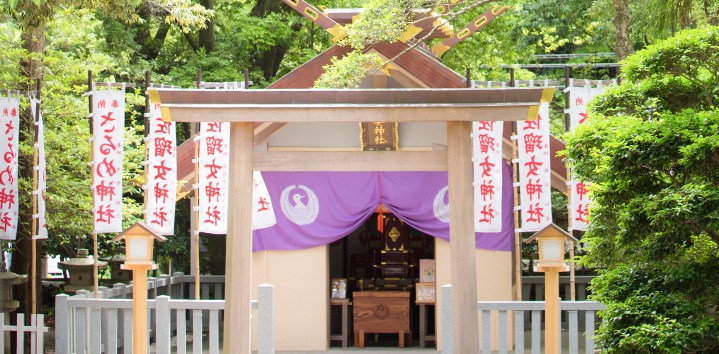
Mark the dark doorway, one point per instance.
(379, 259)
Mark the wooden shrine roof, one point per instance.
(350, 105)
(421, 65)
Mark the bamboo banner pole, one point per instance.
(517, 235)
(35, 172)
(92, 158)
(196, 207)
(146, 173)
(567, 126)
(196, 231)
(572, 280)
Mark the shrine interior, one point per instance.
(372, 260)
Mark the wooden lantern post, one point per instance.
(139, 242)
(551, 261)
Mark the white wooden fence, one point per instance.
(88, 325)
(36, 329)
(536, 308)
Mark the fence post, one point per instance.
(162, 320)
(38, 334)
(178, 284)
(266, 319)
(62, 324)
(165, 284)
(2, 333)
(447, 336)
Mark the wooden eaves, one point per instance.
(344, 105)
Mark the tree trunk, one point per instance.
(623, 45)
(33, 41)
(207, 35)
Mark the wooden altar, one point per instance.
(381, 312)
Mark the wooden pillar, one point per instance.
(551, 311)
(139, 305)
(238, 269)
(461, 236)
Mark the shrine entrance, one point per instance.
(380, 260)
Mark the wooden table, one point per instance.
(423, 336)
(381, 312)
(345, 303)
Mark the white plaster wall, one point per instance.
(416, 134)
(317, 135)
(301, 283)
(494, 283)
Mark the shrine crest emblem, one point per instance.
(299, 210)
(439, 207)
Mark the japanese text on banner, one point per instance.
(263, 212)
(579, 97)
(214, 177)
(9, 123)
(161, 188)
(108, 129)
(487, 141)
(41, 170)
(534, 171)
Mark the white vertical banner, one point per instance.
(214, 161)
(9, 131)
(534, 171)
(263, 212)
(161, 188)
(579, 97)
(487, 161)
(107, 146)
(41, 170)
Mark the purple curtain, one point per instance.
(318, 208)
(344, 200)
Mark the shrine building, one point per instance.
(360, 182)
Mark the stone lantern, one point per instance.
(7, 304)
(117, 274)
(81, 271)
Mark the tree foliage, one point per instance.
(654, 165)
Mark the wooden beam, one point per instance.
(474, 26)
(461, 236)
(373, 105)
(351, 113)
(238, 264)
(350, 161)
(329, 97)
(319, 18)
(266, 130)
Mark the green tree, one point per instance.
(651, 151)
(31, 20)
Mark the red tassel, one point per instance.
(380, 216)
(380, 220)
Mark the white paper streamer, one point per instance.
(41, 169)
(108, 128)
(161, 191)
(534, 171)
(487, 141)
